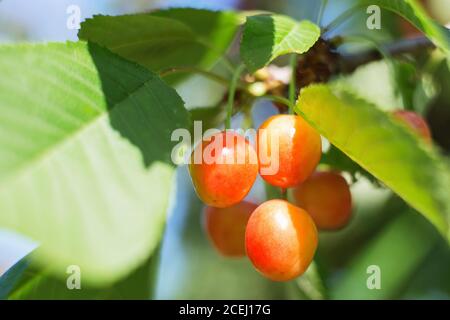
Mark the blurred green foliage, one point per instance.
(414, 260)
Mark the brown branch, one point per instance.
(414, 46)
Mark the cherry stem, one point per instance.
(292, 83)
(279, 99)
(231, 93)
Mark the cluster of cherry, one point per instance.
(279, 238)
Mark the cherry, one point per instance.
(280, 240)
(226, 227)
(415, 121)
(289, 150)
(223, 169)
(326, 197)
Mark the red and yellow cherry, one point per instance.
(223, 169)
(414, 121)
(289, 150)
(280, 240)
(326, 197)
(226, 227)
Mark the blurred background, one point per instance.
(414, 260)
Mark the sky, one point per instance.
(46, 20)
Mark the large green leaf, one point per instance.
(395, 84)
(379, 76)
(85, 165)
(37, 284)
(415, 14)
(383, 147)
(267, 37)
(433, 280)
(165, 39)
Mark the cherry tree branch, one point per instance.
(414, 46)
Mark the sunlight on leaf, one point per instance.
(167, 38)
(85, 166)
(267, 37)
(383, 147)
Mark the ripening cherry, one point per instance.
(289, 150)
(415, 121)
(223, 169)
(326, 197)
(226, 227)
(280, 240)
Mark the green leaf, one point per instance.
(165, 39)
(85, 166)
(382, 146)
(267, 37)
(415, 14)
(380, 77)
(311, 283)
(9, 279)
(406, 77)
(391, 251)
(37, 284)
(373, 209)
(433, 280)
